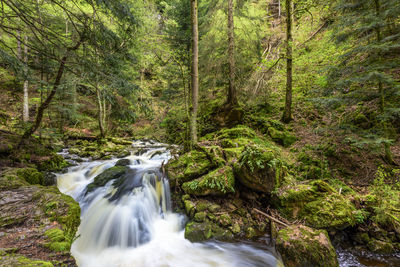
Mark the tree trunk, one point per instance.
(25, 112)
(195, 73)
(287, 114)
(101, 112)
(50, 97)
(232, 99)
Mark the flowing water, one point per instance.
(130, 222)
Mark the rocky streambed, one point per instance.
(235, 186)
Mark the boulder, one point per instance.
(106, 176)
(259, 168)
(187, 167)
(301, 246)
(123, 162)
(218, 182)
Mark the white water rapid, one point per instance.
(130, 222)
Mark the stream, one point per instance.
(131, 223)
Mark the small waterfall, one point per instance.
(130, 223)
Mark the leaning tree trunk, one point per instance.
(195, 73)
(287, 114)
(101, 115)
(232, 99)
(46, 103)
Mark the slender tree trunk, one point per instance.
(50, 97)
(232, 99)
(25, 112)
(195, 73)
(287, 114)
(100, 115)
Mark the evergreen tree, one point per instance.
(369, 66)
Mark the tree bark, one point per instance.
(232, 99)
(287, 114)
(50, 97)
(25, 112)
(101, 113)
(195, 73)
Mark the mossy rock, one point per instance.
(259, 168)
(16, 260)
(301, 246)
(106, 176)
(318, 204)
(188, 167)
(218, 182)
(332, 211)
(9, 179)
(54, 163)
(197, 232)
(58, 240)
(281, 137)
(31, 175)
(202, 231)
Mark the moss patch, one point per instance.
(302, 246)
(218, 182)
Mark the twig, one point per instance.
(271, 218)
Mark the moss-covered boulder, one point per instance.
(201, 231)
(187, 167)
(259, 168)
(319, 204)
(37, 215)
(332, 211)
(106, 176)
(218, 182)
(53, 162)
(31, 175)
(301, 246)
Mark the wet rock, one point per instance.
(218, 182)
(196, 232)
(106, 176)
(301, 246)
(123, 162)
(381, 247)
(49, 179)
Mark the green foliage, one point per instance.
(385, 198)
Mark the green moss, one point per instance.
(225, 220)
(259, 167)
(187, 167)
(9, 179)
(31, 175)
(196, 232)
(190, 208)
(218, 182)
(54, 163)
(33, 263)
(58, 240)
(281, 137)
(302, 246)
(331, 212)
(200, 216)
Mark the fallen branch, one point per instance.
(271, 218)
